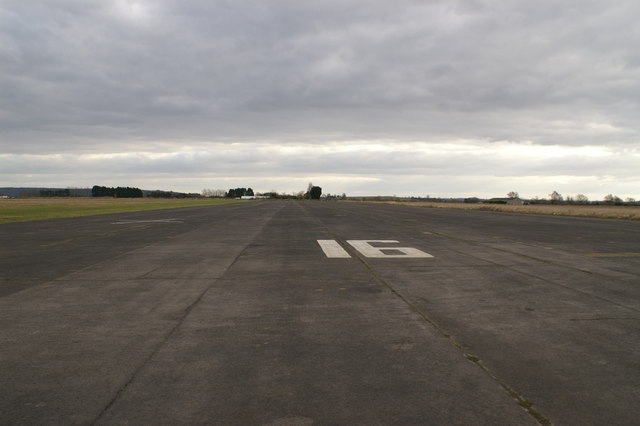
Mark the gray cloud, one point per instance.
(166, 76)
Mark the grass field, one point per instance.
(28, 209)
(610, 212)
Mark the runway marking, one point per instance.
(367, 250)
(129, 222)
(332, 249)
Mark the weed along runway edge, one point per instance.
(319, 313)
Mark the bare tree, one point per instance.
(582, 199)
(79, 192)
(612, 199)
(213, 193)
(513, 194)
(555, 197)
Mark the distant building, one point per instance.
(517, 201)
(511, 201)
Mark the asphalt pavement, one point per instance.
(320, 313)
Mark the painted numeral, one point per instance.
(333, 250)
(367, 250)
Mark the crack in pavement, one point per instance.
(177, 325)
(517, 397)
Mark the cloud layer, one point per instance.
(373, 96)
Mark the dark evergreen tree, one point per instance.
(120, 192)
(315, 192)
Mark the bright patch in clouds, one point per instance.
(420, 169)
(133, 9)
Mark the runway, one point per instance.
(323, 313)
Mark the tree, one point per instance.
(160, 194)
(213, 193)
(307, 195)
(582, 199)
(237, 192)
(612, 199)
(128, 192)
(54, 193)
(555, 197)
(77, 192)
(119, 192)
(102, 191)
(315, 192)
(513, 194)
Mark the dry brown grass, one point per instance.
(609, 212)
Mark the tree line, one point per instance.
(55, 193)
(118, 192)
(313, 192)
(239, 192)
(556, 198)
(171, 194)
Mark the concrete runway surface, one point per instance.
(235, 315)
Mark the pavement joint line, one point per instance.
(147, 221)
(63, 242)
(136, 371)
(514, 268)
(154, 351)
(611, 254)
(479, 244)
(518, 398)
(546, 261)
(118, 256)
(606, 319)
(471, 390)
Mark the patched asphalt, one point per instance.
(234, 315)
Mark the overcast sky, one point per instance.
(440, 98)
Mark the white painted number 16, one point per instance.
(334, 250)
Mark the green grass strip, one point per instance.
(30, 210)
